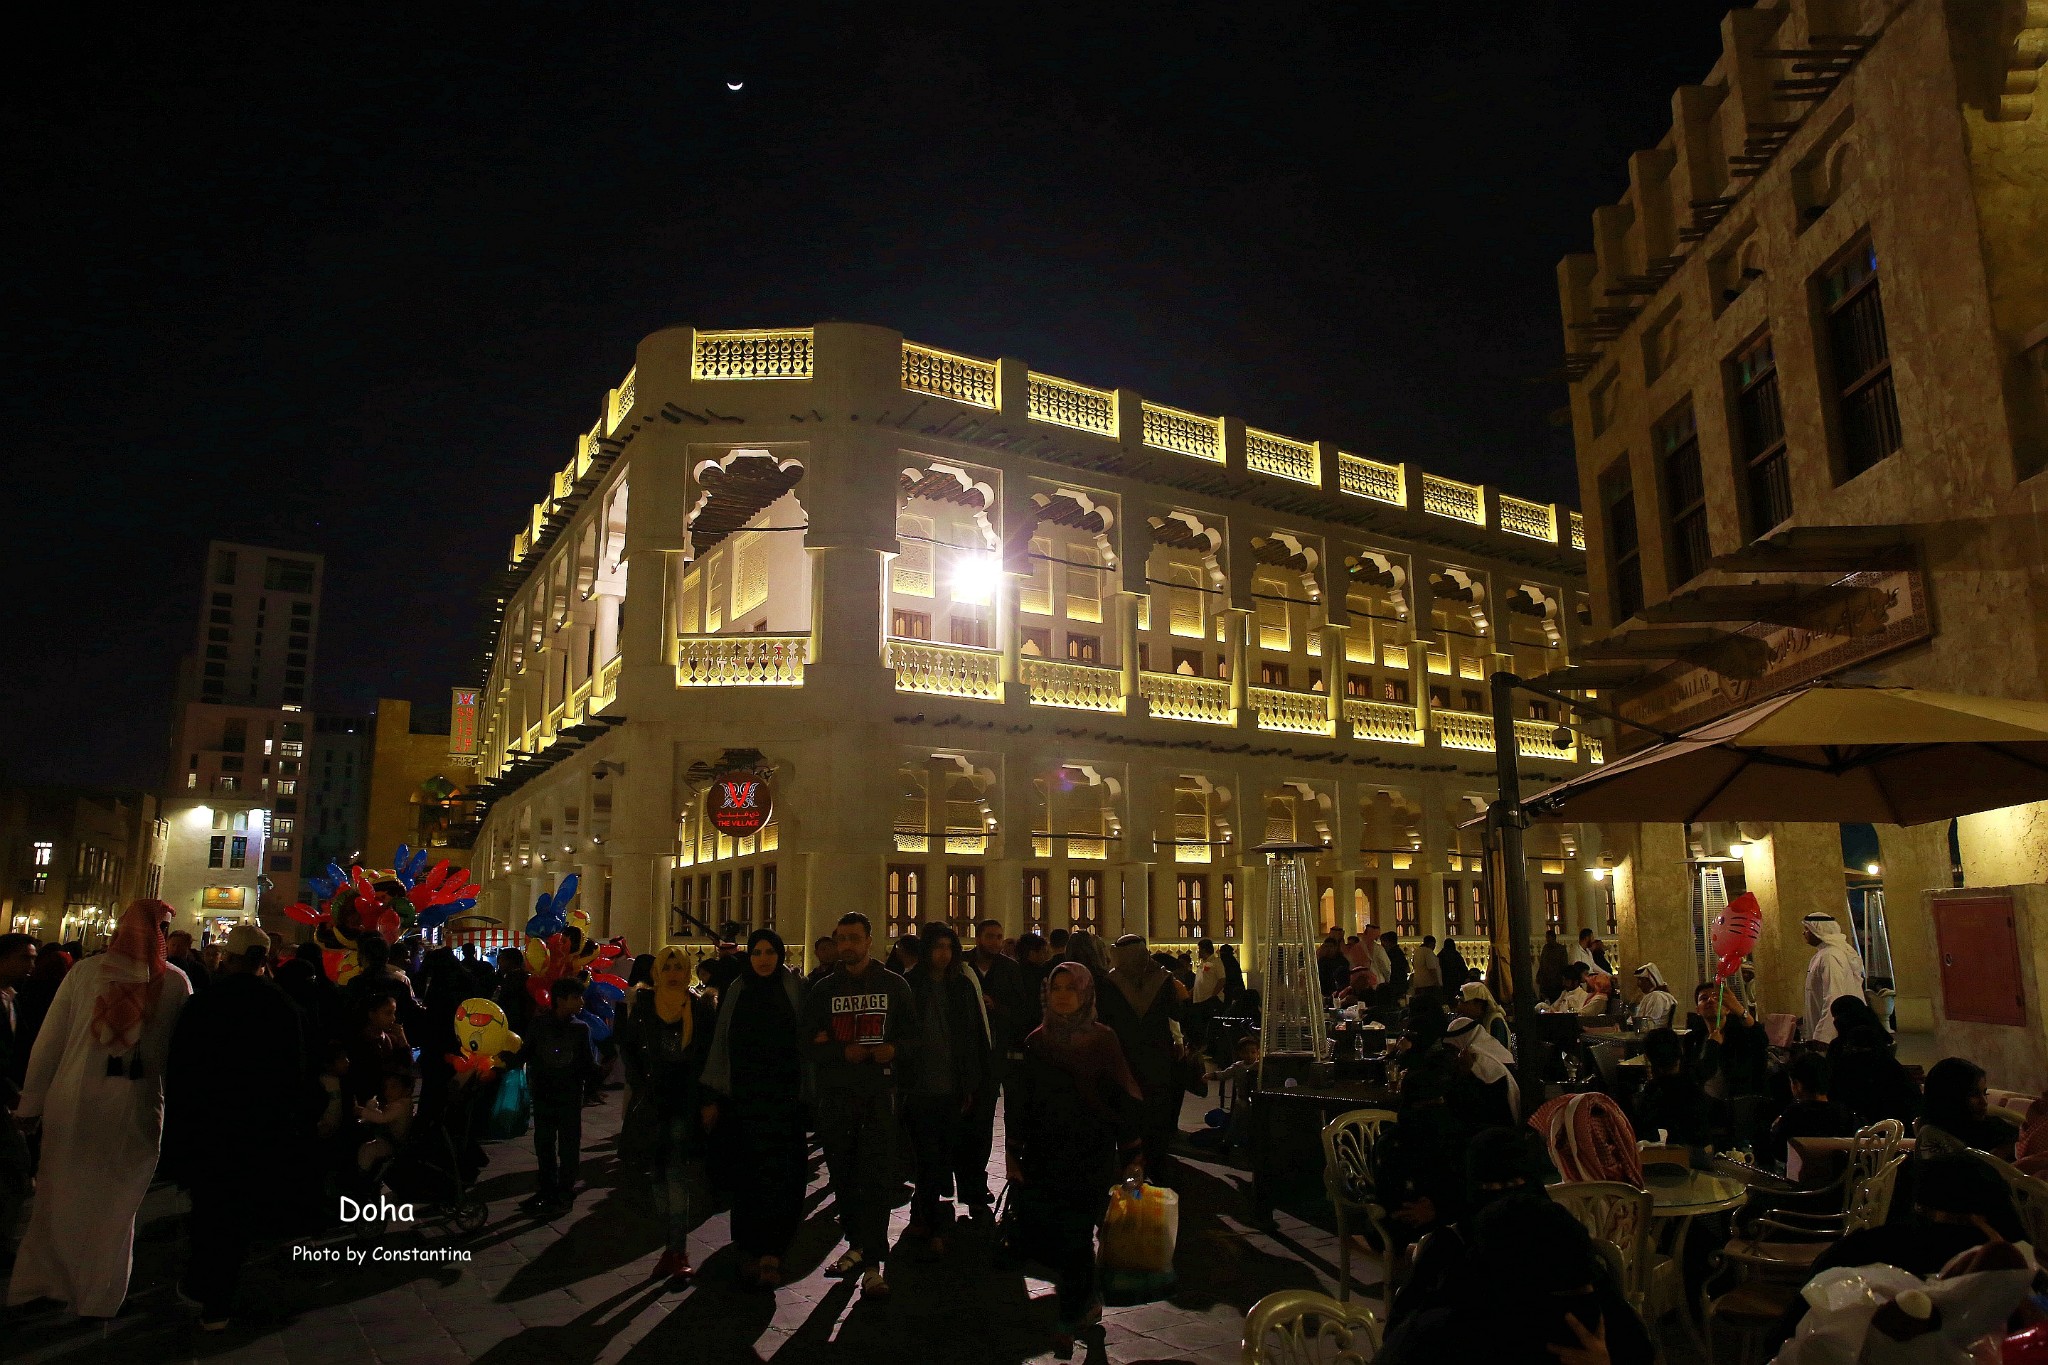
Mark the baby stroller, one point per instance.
(437, 1166)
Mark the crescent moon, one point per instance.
(734, 85)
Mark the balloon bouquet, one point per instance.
(408, 896)
(558, 945)
(1736, 931)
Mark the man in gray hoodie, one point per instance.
(862, 1024)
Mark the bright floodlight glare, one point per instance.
(1871, 868)
(974, 578)
(1737, 849)
(1599, 874)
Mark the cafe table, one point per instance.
(1678, 1195)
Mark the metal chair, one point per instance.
(1872, 1149)
(1619, 1214)
(1349, 1144)
(2029, 1196)
(1870, 1200)
(1303, 1327)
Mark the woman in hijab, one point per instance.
(1863, 1073)
(1956, 1115)
(1086, 949)
(1476, 1002)
(1072, 1115)
(1141, 1005)
(1484, 1094)
(1233, 977)
(666, 1036)
(96, 1083)
(947, 1074)
(756, 1067)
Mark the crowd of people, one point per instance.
(265, 1089)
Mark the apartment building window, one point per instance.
(1084, 900)
(223, 569)
(1866, 406)
(1394, 689)
(1454, 900)
(1084, 649)
(1272, 675)
(1760, 426)
(903, 891)
(1407, 906)
(910, 625)
(1191, 900)
(1677, 439)
(238, 851)
(1624, 548)
(217, 851)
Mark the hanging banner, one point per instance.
(740, 801)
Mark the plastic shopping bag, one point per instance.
(511, 1107)
(1878, 1313)
(1138, 1236)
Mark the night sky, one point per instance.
(352, 279)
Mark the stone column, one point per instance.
(1236, 630)
(847, 611)
(1914, 859)
(607, 627)
(1652, 885)
(1127, 645)
(1794, 871)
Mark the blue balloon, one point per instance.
(551, 910)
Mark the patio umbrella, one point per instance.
(1843, 754)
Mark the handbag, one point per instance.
(511, 1108)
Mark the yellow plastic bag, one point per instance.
(1139, 1232)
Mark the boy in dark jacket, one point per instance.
(559, 1064)
(861, 1022)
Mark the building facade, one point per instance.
(71, 858)
(240, 733)
(419, 789)
(1004, 645)
(337, 791)
(1810, 401)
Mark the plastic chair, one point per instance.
(1303, 1327)
(1349, 1143)
(1619, 1214)
(1870, 1201)
(2029, 1196)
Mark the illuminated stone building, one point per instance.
(1810, 351)
(416, 785)
(1010, 645)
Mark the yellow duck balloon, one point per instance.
(482, 1034)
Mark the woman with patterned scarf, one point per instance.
(96, 1083)
(1072, 1127)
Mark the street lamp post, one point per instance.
(1507, 820)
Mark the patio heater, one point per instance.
(1291, 1023)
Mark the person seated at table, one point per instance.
(1812, 1113)
(1865, 1074)
(1363, 989)
(1656, 1006)
(1483, 1090)
(1959, 1203)
(1956, 1115)
(1671, 1101)
(1531, 1290)
(1476, 1002)
(1579, 997)
(1500, 1164)
(1726, 1047)
(1418, 1166)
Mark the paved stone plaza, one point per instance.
(576, 1292)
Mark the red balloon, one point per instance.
(1736, 930)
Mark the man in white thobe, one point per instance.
(1834, 971)
(96, 1083)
